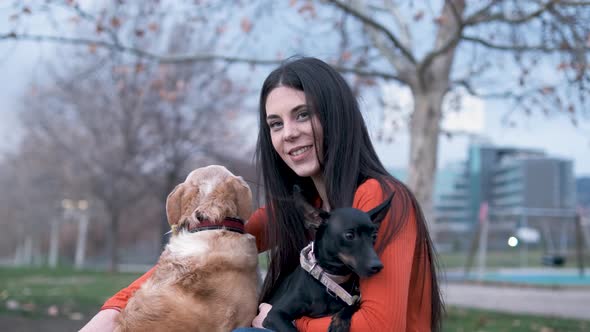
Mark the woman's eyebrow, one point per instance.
(298, 108)
(293, 110)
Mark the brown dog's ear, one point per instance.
(243, 197)
(174, 204)
(314, 217)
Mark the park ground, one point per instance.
(33, 299)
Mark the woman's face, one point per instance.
(292, 127)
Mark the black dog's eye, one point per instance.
(349, 236)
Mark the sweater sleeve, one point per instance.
(256, 226)
(384, 303)
(120, 299)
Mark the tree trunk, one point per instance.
(424, 132)
(80, 256)
(54, 243)
(113, 241)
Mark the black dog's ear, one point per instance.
(313, 217)
(378, 213)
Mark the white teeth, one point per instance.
(300, 151)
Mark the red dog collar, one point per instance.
(231, 224)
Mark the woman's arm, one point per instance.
(385, 296)
(120, 299)
(103, 321)
(256, 226)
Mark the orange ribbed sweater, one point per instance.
(396, 299)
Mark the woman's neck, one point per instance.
(320, 186)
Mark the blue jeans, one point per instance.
(250, 329)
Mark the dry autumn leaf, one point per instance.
(419, 15)
(115, 22)
(153, 27)
(221, 29)
(308, 7)
(346, 55)
(246, 25)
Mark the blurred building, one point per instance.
(583, 192)
(521, 187)
(515, 182)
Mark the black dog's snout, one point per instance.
(376, 268)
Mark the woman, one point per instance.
(312, 134)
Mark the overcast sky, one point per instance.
(554, 134)
(19, 64)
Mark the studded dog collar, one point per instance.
(332, 282)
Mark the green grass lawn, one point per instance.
(65, 292)
(34, 291)
(507, 259)
(462, 320)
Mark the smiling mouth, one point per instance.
(300, 151)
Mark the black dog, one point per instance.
(343, 246)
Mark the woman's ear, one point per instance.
(378, 213)
(313, 217)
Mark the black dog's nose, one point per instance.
(376, 268)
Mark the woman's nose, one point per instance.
(290, 131)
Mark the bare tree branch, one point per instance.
(369, 73)
(179, 59)
(184, 58)
(483, 12)
(575, 3)
(520, 48)
(448, 44)
(483, 16)
(401, 23)
(467, 85)
(376, 25)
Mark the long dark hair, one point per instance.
(348, 160)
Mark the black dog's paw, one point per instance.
(341, 320)
(338, 325)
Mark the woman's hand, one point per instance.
(104, 320)
(263, 310)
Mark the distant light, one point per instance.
(67, 204)
(528, 235)
(82, 204)
(512, 241)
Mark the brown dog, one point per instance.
(206, 277)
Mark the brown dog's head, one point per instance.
(208, 193)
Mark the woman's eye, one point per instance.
(275, 125)
(304, 115)
(349, 236)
